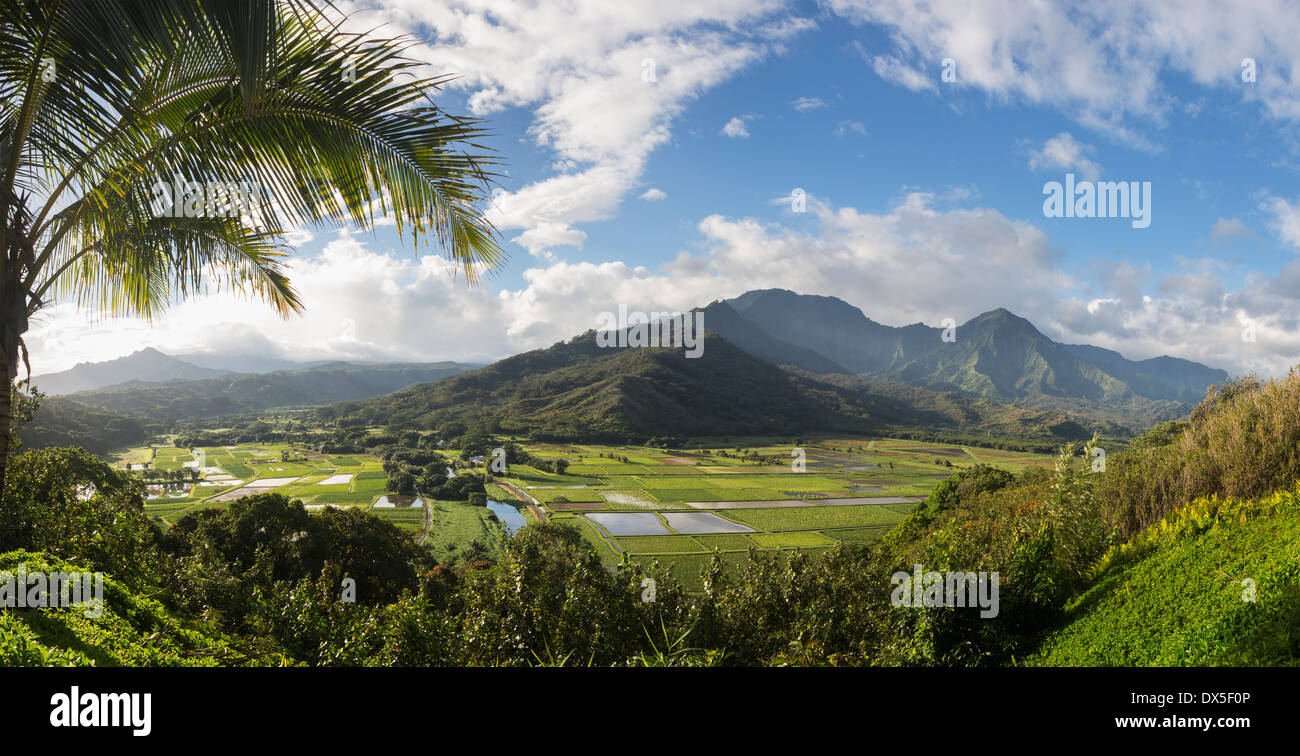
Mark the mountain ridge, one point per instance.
(146, 365)
(240, 393)
(577, 389)
(996, 354)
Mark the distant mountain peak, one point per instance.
(997, 354)
(147, 365)
(1001, 315)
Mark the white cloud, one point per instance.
(1101, 62)
(850, 127)
(735, 128)
(893, 69)
(1284, 219)
(805, 104)
(1063, 152)
(786, 28)
(653, 195)
(542, 237)
(912, 262)
(1226, 230)
(403, 308)
(604, 81)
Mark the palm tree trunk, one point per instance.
(13, 314)
(6, 416)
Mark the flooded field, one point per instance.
(396, 501)
(703, 522)
(629, 523)
(507, 515)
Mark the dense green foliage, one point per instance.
(1080, 581)
(1243, 441)
(64, 422)
(577, 390)
(1198, 560)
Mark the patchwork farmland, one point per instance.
(227, 473)
(679, 508)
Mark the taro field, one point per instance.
(679, 507)
(226, 473)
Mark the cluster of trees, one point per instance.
(750, 455)
(170, 477)
(418, 469)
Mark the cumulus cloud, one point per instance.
(653, 195)
(541, 238)
(1063, 152)
(917, 261)
(735, 128)
(1100, 62)
(1226, 230)
(358, 305)
(604, 82)
(1284, 219)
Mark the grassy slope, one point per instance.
(457, 524)
(1172, 596)
(132, 631)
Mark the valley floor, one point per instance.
(678, 508)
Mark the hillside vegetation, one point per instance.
(1215, 583)
(1096, 566)
(63, 422)
(578, 390)
(997, 355)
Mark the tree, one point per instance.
(299, 120)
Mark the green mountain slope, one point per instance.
(1174, 595)
(834, 329)
(64, 422)
(579, 390)
(997, 355)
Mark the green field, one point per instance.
(744, 482)
(800, 519)
(456, 527)
(249, 463)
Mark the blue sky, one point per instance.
(924, 196)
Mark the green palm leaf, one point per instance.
(102, 99)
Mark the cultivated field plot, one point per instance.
(228, 473)
(680, 507)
